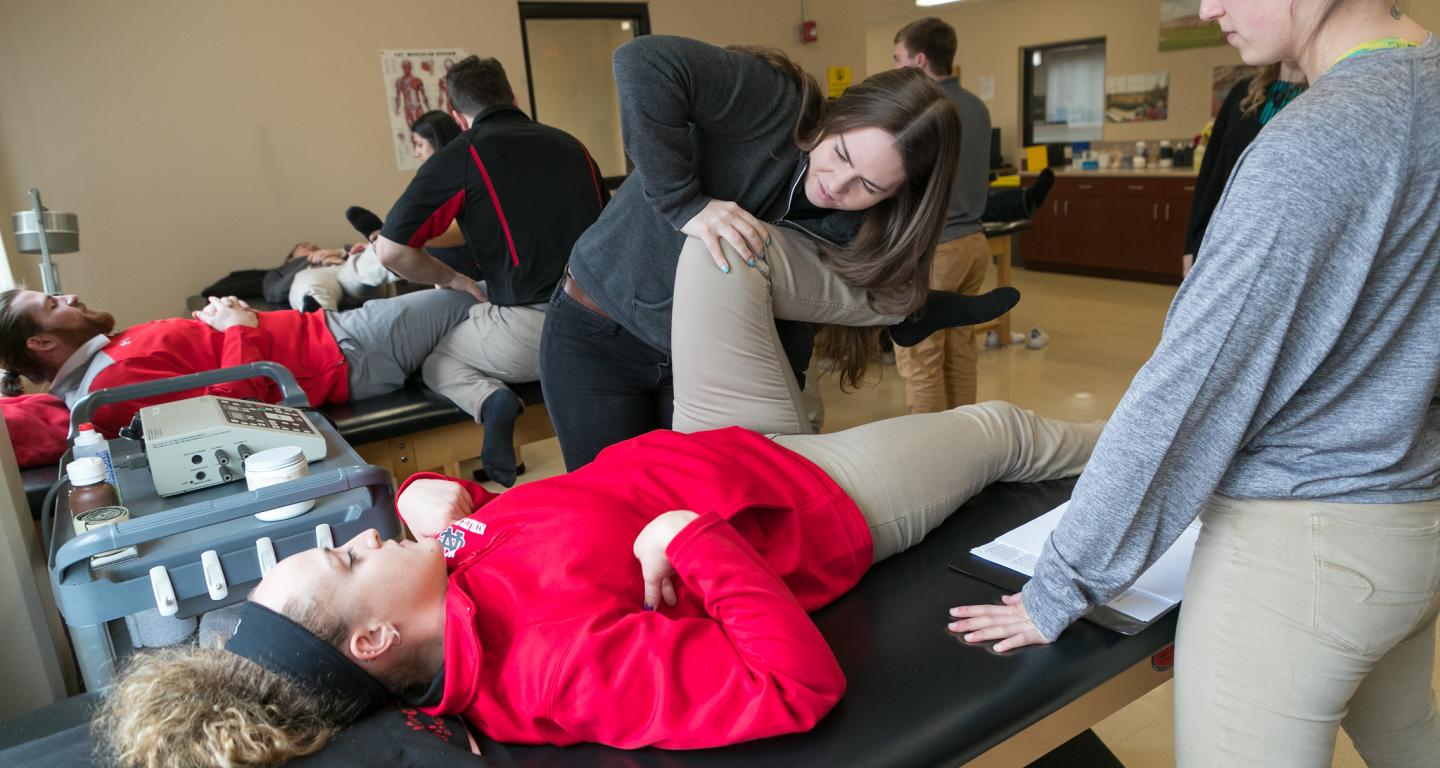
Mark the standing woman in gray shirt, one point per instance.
(1291, 404)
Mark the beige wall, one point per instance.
(194, 138)
(991, 36)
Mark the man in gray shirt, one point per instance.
(940, 371)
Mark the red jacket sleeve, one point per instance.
(458, 548)
(242, 345)
(755, 666)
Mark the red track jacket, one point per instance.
(164, 348)
(546, 640)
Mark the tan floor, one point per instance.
(1101, 332)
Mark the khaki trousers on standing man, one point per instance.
(940, 371)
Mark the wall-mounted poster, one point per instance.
(1181, 27)
(1137, 98)
(1225, 78)
(414, 84)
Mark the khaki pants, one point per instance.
(1301, 617)
(729, 367)
(491, 347)
(940, 371)
(907, 474)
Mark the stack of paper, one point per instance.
(1157, 590)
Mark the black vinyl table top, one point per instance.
(918, 696)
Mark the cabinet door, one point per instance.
(1041, 244)
(1089, 232)
(1174, 221)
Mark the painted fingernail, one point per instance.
(725, 268)
(751, 262)
(768, 241)
(649, 607)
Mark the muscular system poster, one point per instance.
(414, 82)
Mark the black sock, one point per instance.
(363, 220)
(1035, 195)
(945, 309)
(309, 304)
(497, 455)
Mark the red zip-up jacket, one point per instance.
(546, 638)
(300, 341)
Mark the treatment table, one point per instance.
(917, 695)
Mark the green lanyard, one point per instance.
(1383, 44)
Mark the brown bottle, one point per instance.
(88, 488)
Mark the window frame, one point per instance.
(1027, 82)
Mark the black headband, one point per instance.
(295, 653)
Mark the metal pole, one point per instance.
(49, 278)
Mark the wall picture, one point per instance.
(1137, 98)
(414, 83)
(1181, 27)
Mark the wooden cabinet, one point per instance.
(1111, 226)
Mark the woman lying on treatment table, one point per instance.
(656, 596)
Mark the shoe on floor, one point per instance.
(992, 340)
(1017, 338)
(1038, 339)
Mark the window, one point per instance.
(1064, 96)
(567, 66)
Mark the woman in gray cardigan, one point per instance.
(1291, 404)
(728, 143)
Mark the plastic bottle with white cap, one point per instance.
(274, 466)
(89, 442)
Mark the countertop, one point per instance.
(1159, 173)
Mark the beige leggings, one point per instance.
(908, 473)
(729, 367)
(1301, 617)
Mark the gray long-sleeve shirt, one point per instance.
(1300, 358)
(971, 188)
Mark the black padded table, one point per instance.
(917, 696)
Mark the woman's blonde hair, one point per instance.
(1259, 89)
(192, 706)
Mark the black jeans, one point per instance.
(602, 383)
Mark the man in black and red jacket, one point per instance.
(519, 194)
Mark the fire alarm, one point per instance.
(809, 33)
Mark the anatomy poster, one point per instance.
(414, 84)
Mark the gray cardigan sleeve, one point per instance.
(1287, 256)
(670, 87)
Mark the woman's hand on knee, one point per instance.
(723, 220)
(1009, 623)
(430, 506)
(655, 565)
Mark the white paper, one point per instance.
(1161, 586)
(987, 87)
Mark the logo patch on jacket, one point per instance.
(453, 538)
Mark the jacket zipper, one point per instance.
(783, 222)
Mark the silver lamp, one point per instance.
(45, 232)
